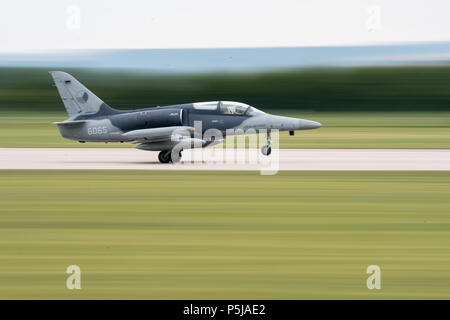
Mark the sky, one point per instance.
(47, 25)
(234, 59)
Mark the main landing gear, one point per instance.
(267, 150)
(166, 156)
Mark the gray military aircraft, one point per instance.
(163, 128)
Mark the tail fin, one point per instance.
(78, 99)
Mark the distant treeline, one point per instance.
(418, 88)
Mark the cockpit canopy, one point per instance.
(228, 107)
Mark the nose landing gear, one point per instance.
(267, 150)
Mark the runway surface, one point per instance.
(284, 159)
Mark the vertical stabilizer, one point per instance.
(77, 99)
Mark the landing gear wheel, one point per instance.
(164, 157)
(176, 157)
(266, 150)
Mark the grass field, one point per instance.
(340, 130)
(211, 235)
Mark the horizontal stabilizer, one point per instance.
(70, 123)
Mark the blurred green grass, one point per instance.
(230, 235)
(340, 130)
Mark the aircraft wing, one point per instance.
(159, 134)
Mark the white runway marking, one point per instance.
(289, 159)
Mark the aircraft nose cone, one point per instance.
(309, 124)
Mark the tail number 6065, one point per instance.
(97, 130)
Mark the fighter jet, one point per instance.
(163, 128)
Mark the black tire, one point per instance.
(266, 150)
(164, 157)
